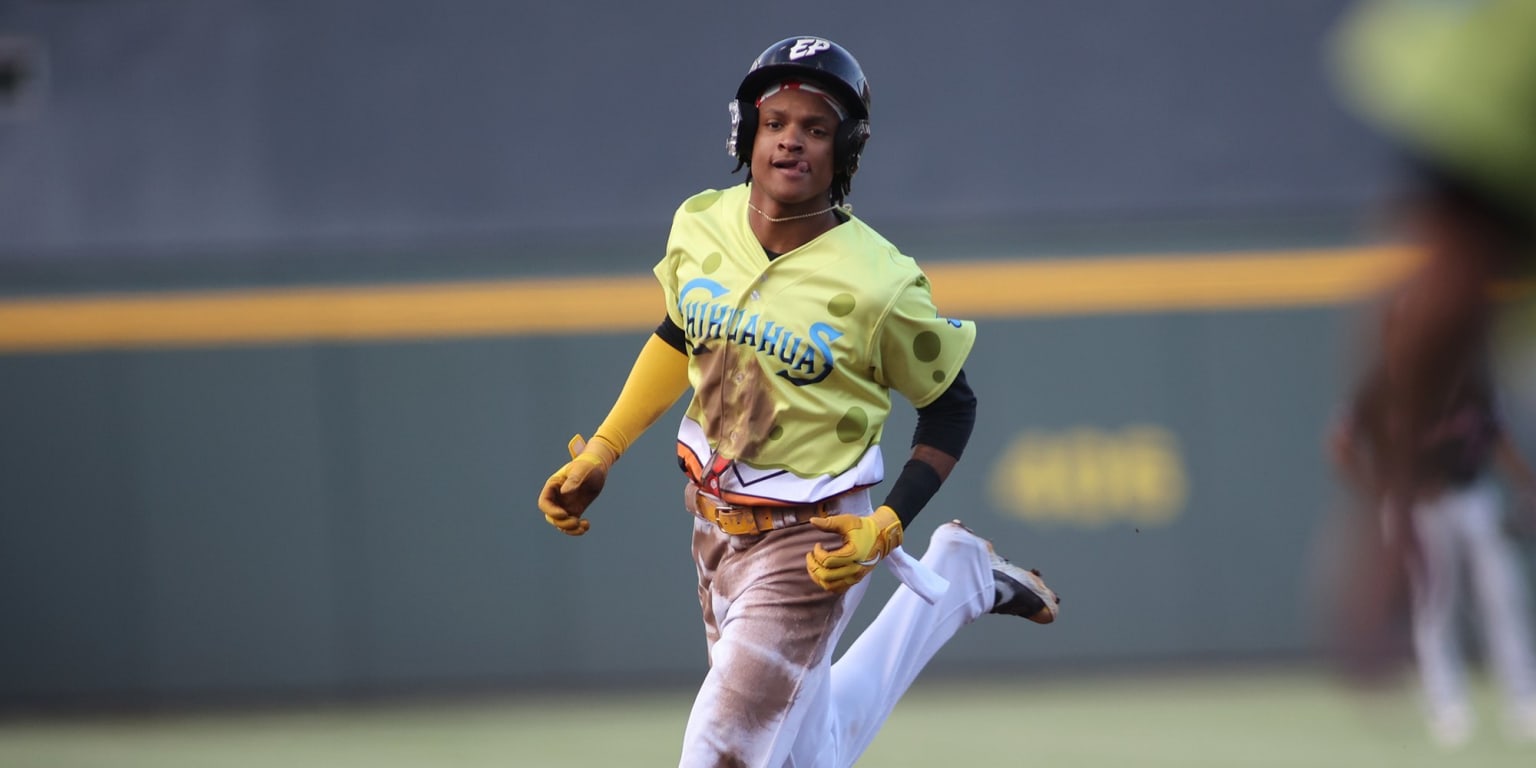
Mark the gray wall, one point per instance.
(174, 128)
(353, 518)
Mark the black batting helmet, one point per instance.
(820, 62)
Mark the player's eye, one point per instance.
(772, 124)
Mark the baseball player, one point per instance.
(1453, 87)
(791, 320)
(1421, 450)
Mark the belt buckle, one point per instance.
(736, 522)
(727, 518)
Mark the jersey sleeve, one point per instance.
(917, 352)
(666, 274)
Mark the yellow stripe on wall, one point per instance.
(577, 305)
(1162, 283)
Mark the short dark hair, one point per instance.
(1514, 227)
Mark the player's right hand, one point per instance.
(570, 490)
(866, 540)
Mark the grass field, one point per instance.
(1288, 718)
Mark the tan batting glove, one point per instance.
(865, 541)
(569, 491)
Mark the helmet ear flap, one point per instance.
(848, 145)
(743, 131)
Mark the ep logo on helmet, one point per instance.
(808, 46)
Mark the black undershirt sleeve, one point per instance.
(945, 424)
(669, 332)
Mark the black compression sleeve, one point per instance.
(672, 335)
(946, 423)
(916, 484)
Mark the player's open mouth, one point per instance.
(799, 166)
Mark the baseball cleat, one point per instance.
(1021, 592)
(1451, 729)
(1522, 724)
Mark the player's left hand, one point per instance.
(865, 541)
(571, 489)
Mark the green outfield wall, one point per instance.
(341, 518)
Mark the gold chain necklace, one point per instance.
(782, 219)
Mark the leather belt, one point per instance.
(746, 520)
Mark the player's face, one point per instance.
(792, 152)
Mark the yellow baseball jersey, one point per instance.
(792, 360)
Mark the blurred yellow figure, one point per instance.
(1453, 86)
